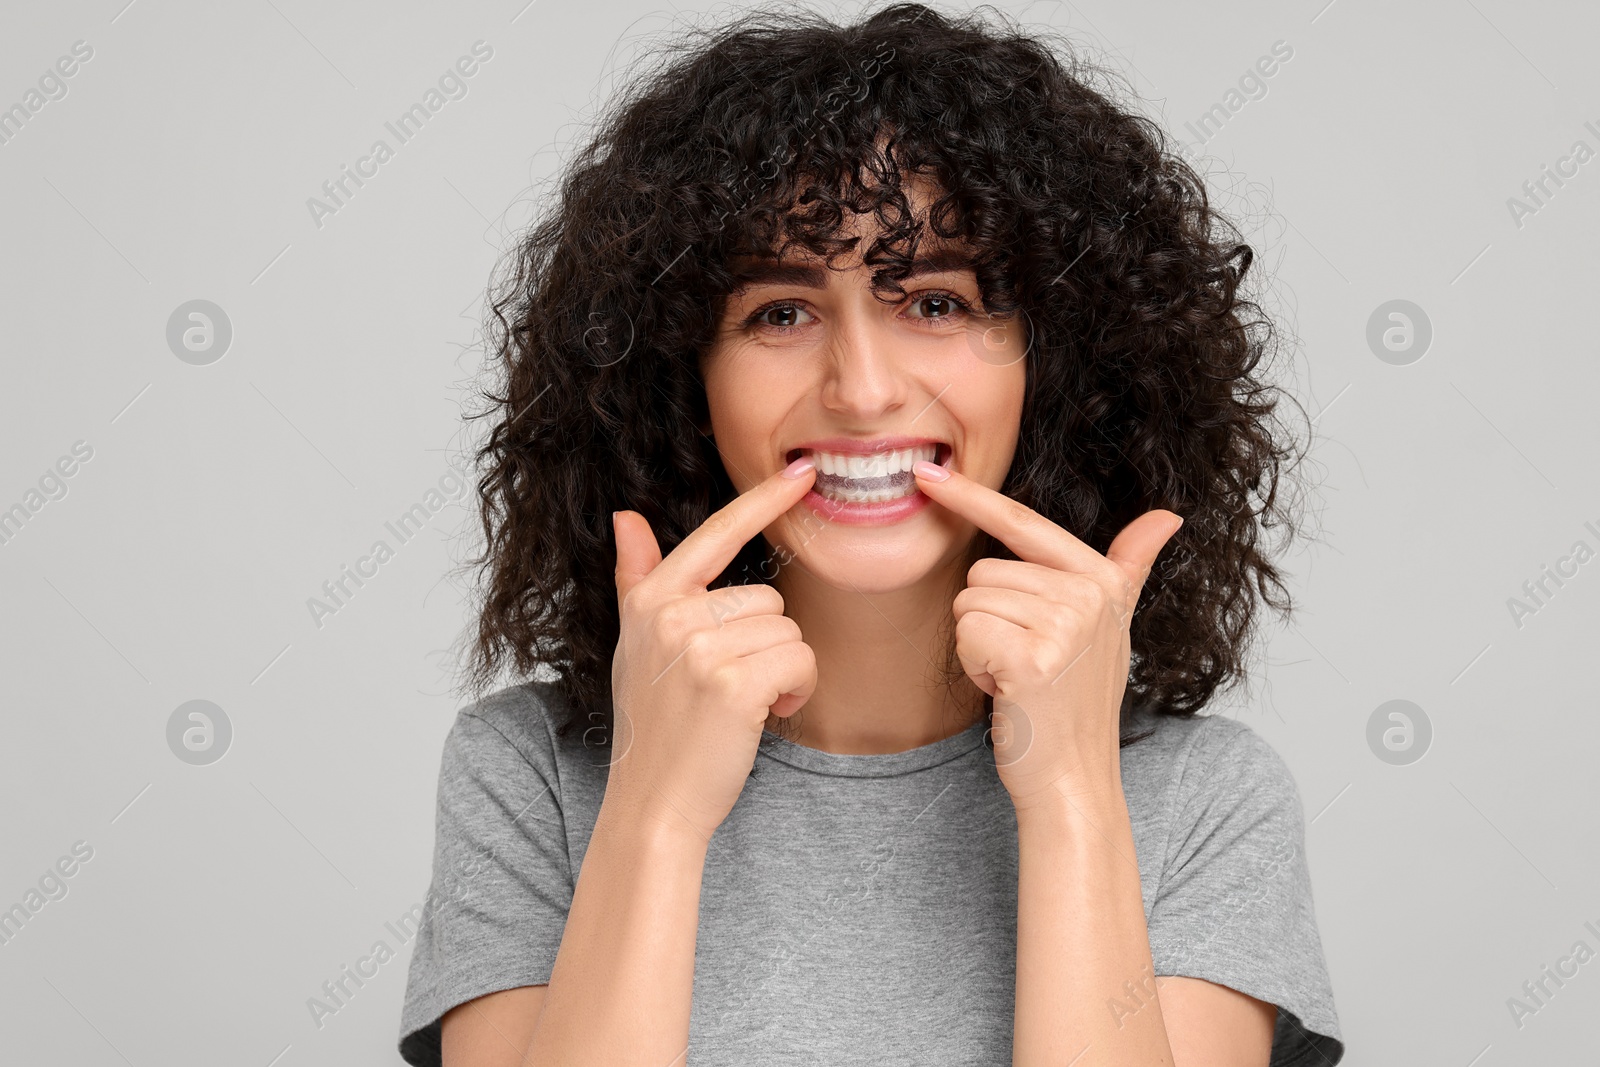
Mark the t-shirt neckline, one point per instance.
(876, 764)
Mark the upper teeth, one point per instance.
(877, 465)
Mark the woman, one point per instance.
(898, 351)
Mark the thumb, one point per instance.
(1135, 549)
(637, 551)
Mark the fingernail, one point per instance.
(931, 471)
(799, 467)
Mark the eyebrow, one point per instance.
(766, 270)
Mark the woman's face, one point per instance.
(809, 361)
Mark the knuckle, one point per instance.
(633, 601)
(718, 523)
(1019, 514)
(803, 648)
(673, 621)
(763, 599)
(1072, 621)
(724, 604)
(724, 679)
(1090, 596)
(699, 649)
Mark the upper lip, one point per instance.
(866, 447)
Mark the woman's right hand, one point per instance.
(696, 673)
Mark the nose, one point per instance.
(866, 374)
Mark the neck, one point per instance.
(881, 685)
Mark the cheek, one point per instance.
(734, 381)
(748, 402)
(991, 399)
(989, 411)
(728, 390)
(995, 360)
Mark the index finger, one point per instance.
(1029, 534)
(711, 546)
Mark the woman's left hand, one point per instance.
(1046, 635)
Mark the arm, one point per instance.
(623, 974)
(1086, 992)
(493, 1030)
(1047, 636)
(629, 940)
(619, 993)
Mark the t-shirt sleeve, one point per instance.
(502, 880)
(1234, 902)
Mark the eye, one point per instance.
(944, 305)
(758, 316)
(939, 298)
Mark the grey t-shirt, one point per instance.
(862, 909)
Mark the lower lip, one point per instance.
(882, 513)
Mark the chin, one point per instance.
(873, 560)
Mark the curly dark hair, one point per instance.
(1082, 220)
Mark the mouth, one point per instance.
(870, 478)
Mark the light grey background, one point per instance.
(219, 498)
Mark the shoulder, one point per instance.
(512, 727)
(1232, 767)
(528, 710)
(1233, 903)
(1205, 756)
(1209, 788)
